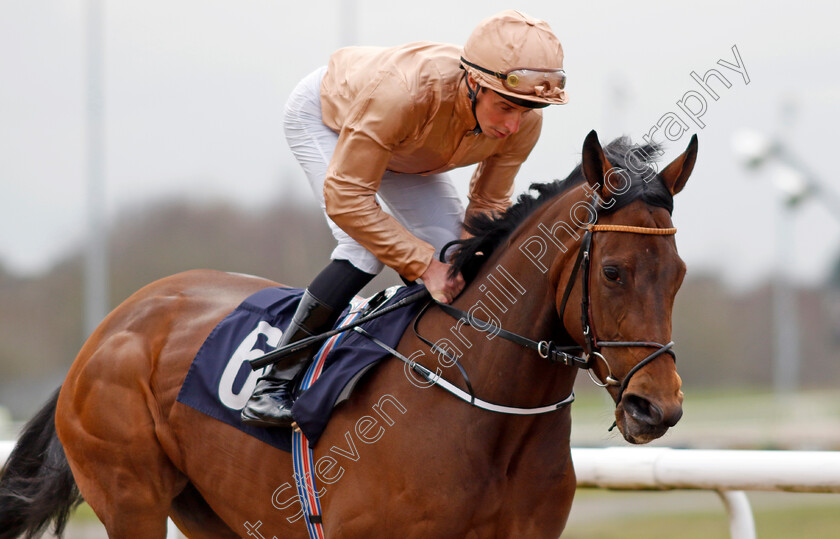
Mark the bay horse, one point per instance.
(398, 459)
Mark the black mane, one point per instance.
(489, 231)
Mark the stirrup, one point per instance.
(265, 404)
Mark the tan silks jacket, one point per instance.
(406, 109)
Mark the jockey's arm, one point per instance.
(353, 178)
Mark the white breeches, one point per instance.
(428, 206)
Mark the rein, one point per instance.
(545, 349)
(468, 397)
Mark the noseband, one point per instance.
(591, 344)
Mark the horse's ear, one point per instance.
(676, 174)
(594, 163)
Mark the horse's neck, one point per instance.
(512, 292)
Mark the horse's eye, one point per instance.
(612, 273)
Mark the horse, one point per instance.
(400, 457)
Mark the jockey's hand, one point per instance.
(440, 285)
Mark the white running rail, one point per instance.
(728, 472)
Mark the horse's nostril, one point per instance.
(643, 410)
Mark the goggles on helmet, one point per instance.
(525, 80)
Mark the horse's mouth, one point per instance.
(638, 433)
(638, 426)
(640, 437)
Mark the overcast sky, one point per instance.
(194, 93)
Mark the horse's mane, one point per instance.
(489, 231)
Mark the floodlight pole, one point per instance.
(786, 355)
(96, 257)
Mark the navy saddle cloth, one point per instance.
(220, 379)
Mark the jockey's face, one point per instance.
(498, 117)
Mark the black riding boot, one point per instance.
(270, 404)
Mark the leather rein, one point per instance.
(547, 349)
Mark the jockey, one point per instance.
(381, 126)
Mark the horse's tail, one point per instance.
(37, 485)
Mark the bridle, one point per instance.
(546, 349)
(591, 348)
(591, 344)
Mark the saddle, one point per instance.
(220, 378)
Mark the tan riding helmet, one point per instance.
(518, 56)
